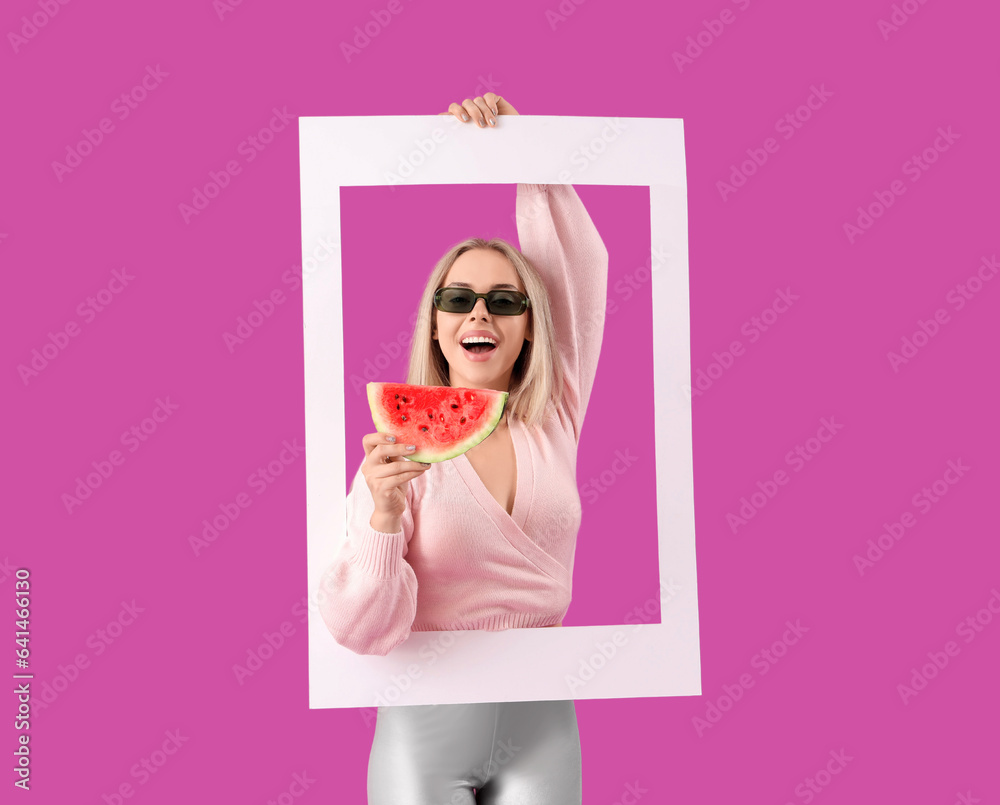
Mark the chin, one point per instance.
(482, 375)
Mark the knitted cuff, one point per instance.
(380, 554)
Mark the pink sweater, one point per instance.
(460, 561)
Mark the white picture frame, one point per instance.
(582, 662)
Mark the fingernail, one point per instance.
(390, 438)
(425, 465)
(482, 125)
(465, 117)
(493, 122)
(411, 447)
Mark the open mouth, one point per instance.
(478, 348)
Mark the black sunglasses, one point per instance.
(498, 302)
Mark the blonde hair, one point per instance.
(536, 378)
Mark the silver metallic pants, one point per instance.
(509, 753)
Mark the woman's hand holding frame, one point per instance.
(483, 109)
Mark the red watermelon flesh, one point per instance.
(442, 421)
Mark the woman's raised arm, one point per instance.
(557, 235)
(559, 238)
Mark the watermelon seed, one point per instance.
(461, 421)
(453, 405)
(430, 415)
(442, 417)
(404, 399)
(424, 428)
(404, 417)
(397, 406)
(397, 397)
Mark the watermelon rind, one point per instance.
(490, 420)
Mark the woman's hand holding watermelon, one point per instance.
(387, 475)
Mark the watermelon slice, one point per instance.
(442, 421)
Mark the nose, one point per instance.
(480, 309)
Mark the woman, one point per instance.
(487, 538)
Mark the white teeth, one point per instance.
(479, 339)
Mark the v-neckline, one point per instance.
(522, 485)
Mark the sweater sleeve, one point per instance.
(559, 238)
(370, 590)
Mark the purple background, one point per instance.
(392, 239)
(162, 336)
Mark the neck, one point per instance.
(499, 384)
